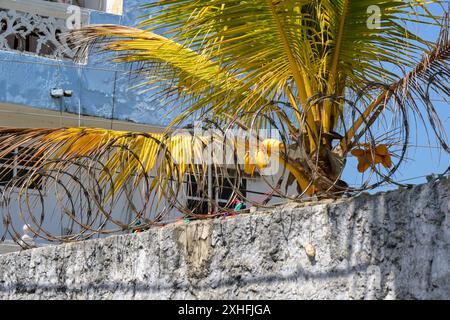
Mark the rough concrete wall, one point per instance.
(391, 245)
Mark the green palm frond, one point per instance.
(261, 64)
(258, 40)
(229, 57)
(316, 70)
(171, 70)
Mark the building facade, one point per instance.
(42, 86)
(34, 61)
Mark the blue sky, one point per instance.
(425, 156)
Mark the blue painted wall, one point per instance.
(100, 88)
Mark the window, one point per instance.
(18, 166)
(29, 42)
(222, 192)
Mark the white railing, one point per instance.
(35, 26)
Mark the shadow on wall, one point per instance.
(391, 245)
(396, 244)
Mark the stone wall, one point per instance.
(386, 246)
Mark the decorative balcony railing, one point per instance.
(35, 27)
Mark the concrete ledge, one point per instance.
(8, 247)
(392, 245)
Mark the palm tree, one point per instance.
(328, 74)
